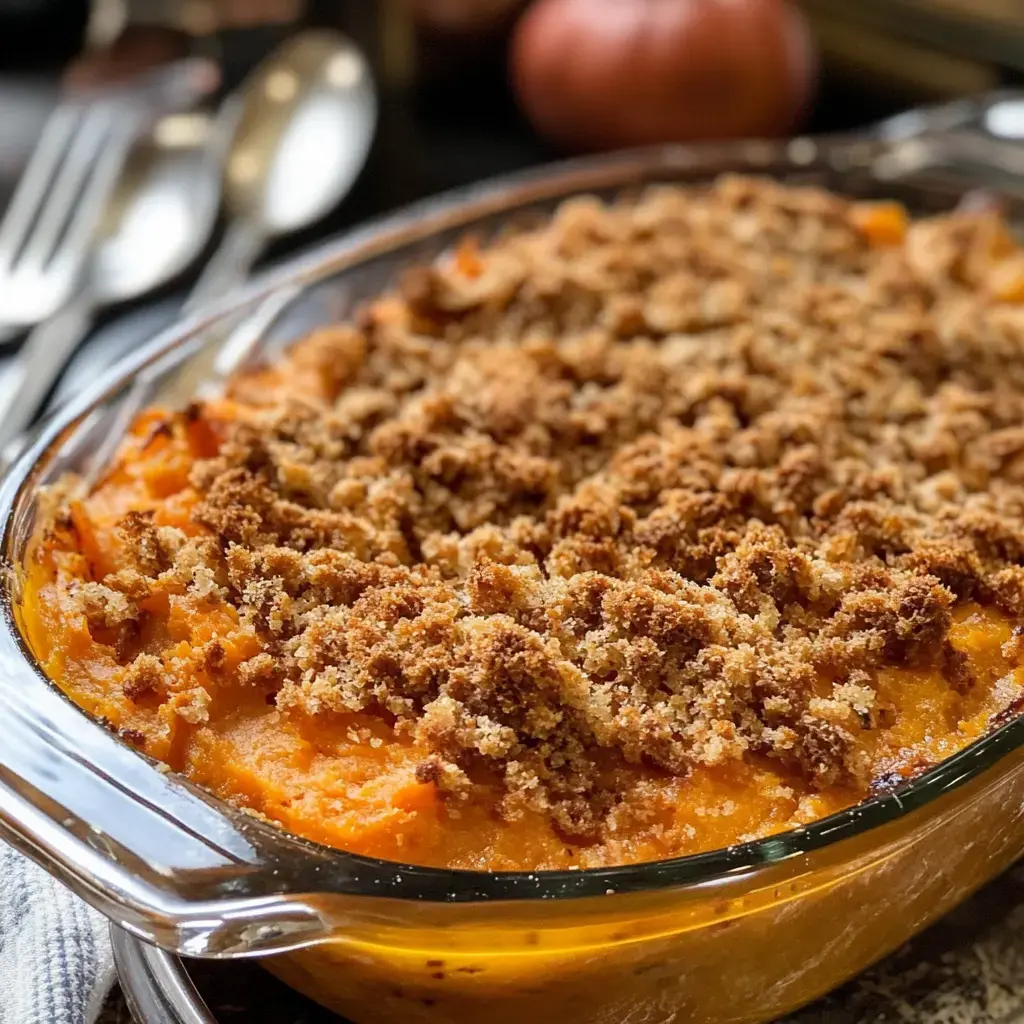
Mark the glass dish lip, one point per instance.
(421, 221)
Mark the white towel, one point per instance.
(55, 960)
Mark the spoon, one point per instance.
(157, 223)
(306, 122)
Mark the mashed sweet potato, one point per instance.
(666, 525)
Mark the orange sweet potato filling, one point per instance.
(308, 774)
(515, 574)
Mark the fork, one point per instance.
(45, 236)
(52, 218)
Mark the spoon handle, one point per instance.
(229, 266)
(27, 381)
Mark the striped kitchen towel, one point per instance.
(55, 961)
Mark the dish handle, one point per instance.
(168, 862)
(980, 139)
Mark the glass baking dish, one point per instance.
(739, 935)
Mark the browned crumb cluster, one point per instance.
(663, 482)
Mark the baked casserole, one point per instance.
(668, 525)
(673, 523)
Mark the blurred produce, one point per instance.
(603, 74)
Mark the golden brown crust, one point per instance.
(667, 482)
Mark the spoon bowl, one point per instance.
(306, 126)
(157, 226)
(163, 213)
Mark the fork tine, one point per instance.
(36, 180)
(83, 154)
(96, 191)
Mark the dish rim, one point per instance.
(420, 222)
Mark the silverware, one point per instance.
(299, 133)
(49, 225)
(46, 232)
(158, 221)
(306, 121)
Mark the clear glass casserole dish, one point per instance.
(742, 934)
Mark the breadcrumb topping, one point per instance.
(667, 482)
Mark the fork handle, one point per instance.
(30, 377)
